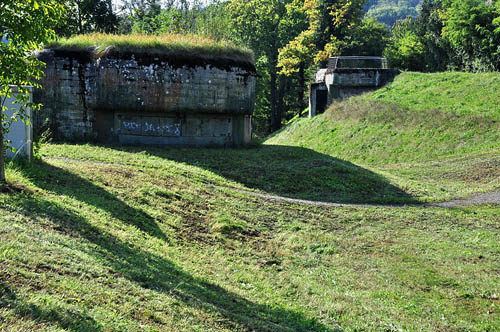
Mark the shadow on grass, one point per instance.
(149, 270)
(65, 319)
(63, 182)
(289, 171)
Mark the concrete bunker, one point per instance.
(347, 76)
(146, 97)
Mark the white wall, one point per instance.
(20, 134)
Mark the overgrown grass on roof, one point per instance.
(167, 44)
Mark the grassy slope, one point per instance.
(157, 243)
(436, 136)
(167, 44)
(135, 239)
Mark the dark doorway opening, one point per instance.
(321, 101)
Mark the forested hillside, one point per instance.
(389, 11)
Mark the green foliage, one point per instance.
(417, 44)
(405, 50)
(438, 55)
(24, 26)
(262, 25)
(43, 139)
(211, 20)
(470, 27)
(332, 27)
(86, 16)
(448, 34)
(369, 38)
(150, 20)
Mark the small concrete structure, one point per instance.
(347, 76)
(146, 98)
(20, 135)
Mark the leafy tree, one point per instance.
(368, 38)
(330, 32)
(328, 28)
(215, 21)
(190, 17)
(25, 25)
(471, 27)
(147, 19)
(438, 55)
(448, 34)
(405, 49)
(259, 24)
(338, 19)
(85, 16)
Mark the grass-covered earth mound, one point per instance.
(435, 136)
(188, 47)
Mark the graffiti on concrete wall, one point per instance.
(162, 126)
(149, 126)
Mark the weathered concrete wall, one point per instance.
(346, 77)
(344, 83)
(137, 99)
(357, 77)
(20, 135)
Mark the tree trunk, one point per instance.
(302, 82)
(281, 100)
(273, 99)
(2, 156)
(79, 13)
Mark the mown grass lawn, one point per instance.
(136, 239)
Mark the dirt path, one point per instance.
(476, 199)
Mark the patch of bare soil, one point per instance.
(10, 188)
(478, 199)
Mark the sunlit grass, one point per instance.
(419, 117)
(143, 239)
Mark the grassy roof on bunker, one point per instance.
(179, 46)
